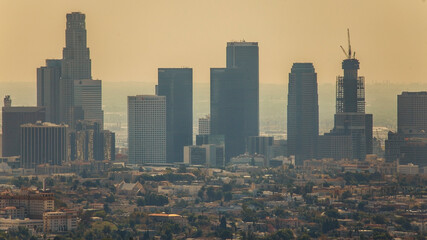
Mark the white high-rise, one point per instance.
(147, 129)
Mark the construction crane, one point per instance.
(348, 55)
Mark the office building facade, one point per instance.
(48, 89)
(12, 119)
(88, 96)
(303, 112)
(43, 143)
(235, 97)
(147, 129)
(176, 84)
(205, 125)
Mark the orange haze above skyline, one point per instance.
(130, 39)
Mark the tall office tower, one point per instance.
(303, 112)
(48, 91)
(408, 144)
(227, 103)
(76, 65)
(176, 84)
(147, 129)
(43, 143)
(245, 56)
(235, 97)
(412, 113)
(351, 125)
(12, 118)
(205, 125)
(88, 96)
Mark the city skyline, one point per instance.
(136, 39)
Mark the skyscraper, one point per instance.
(235, 97)
(412, 113)
(409, 143)
(88, 96)
(12, 118)
(176, 84)
(147, 129)
(303, 112)
(351, 125)
(76, 65)
(245, 57)
(48, 89)
(43, 143)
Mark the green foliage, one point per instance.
(152, 199)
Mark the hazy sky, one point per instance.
(130, 39)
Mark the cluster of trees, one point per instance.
(152, 199)
(211, 194)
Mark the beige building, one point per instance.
(31, 224)
(62, 221)
(35, 203)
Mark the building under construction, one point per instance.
(351, 137)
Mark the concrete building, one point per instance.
(12, 118)
(303, 112)
(88, 142)
(60, 221)
(34, 203)
(43, 143)
(10, 223)
(409, 169)
(48, 89)
(260, 145)
(147, 129)
(205, 125)
(176, 84)
(208, 155)
(235, 97)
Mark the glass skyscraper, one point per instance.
(303, 112)
(176, 84)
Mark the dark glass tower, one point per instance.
(303, 112)
(227, 109)
(176, 84)
(48, 89)
(235, 97)
(245, 57)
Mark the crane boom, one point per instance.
(345, 53)
(349, 45)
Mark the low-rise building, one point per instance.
(61, 221)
